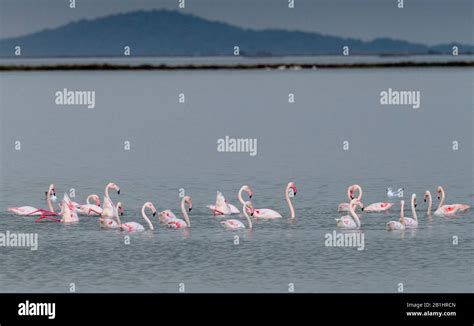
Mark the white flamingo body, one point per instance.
(175, 223)
(33, 211)
(112, 223)
(448, 210)
(233, 224)
(89, 208)
(222, 206)
(267, 213)
(236, 224)
(108, 206)
(351, 221)
(397, 225)
(378, 207)
(345, 207)
(137, 227)
(69, 212)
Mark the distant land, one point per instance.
(161, 33)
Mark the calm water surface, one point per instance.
(173, 146)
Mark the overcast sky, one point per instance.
(425, 21)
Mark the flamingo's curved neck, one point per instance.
(441, 202)
(48, 199)
(402, 216)
(353, 214)
(185, 214)
(88, 200)
(107, 192)
(288, 200)
(413, 210)
(430, 203)
(247, 217)
(147, 219)
(240, 195)
(117, 217)
(359, 189)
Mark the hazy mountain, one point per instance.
(170, 33)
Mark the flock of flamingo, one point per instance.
(352, 221)
(109, 215)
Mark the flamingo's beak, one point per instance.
(424, 200)
(250, 196)
(415, 205)
(118, 191)
(190, 208)
(154, 213)
(439, 198)
(251, 213)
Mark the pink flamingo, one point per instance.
(375, 207)
(430, 201)
(270, 213)
(68, 211)
(89, 208)
(222, 206)
(137, 227)
(177, 223)
(111, 223)
(345, 207)
(31, 211)
(351, 221)
(238, 225)
(397, 225)
(448, 210)
(108, 207)
(411, 223)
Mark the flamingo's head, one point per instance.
(96, 198)
(356, 202)
(439, 190)
(114, 186)
(120, 208)
(188, 200)
(413, 198)
(249, 208)
(52, 192)
(248, 190)
(292, 186)
(426, 196)
(151, 207)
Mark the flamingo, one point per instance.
(111, 223)
(222, 206)
(68, 211)
(448, 210)
(238, 225)
(375, 207)
(137, 227)
(430, 201)
(108, 209)
(89, 208)
(32, 211)
(345, 207)
(177, 223)
(270, 213)
(411, 223)
(397, 225)
(351, 221)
